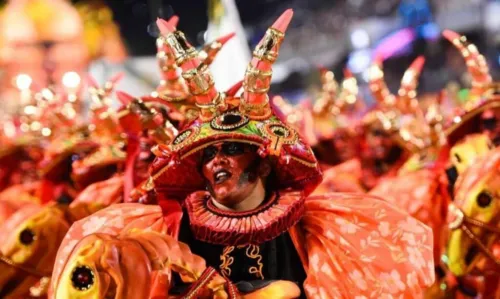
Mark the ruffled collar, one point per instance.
(212, 225)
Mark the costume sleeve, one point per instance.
(423, 194)
(97, 196)
(16, 197)
(359, 246)
(113, 220)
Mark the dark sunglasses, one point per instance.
(228, 149)
(379, 133)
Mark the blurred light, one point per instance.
(47, 94)
(356, 3)
(71, 80)
(72, 98)
(25, 127)
(23, 81)
(430, 31)
(359, 61)
(395, 43)
(360, 39)
(35, 126)
(30, 110)
(46, 132)
(9, 129)
(498, 60)
(366, 75)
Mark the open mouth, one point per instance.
(221, 176)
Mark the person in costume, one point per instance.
(332, 120)
(246, 224)
(22, 145)
(382, 151)
(425, 184)
(480, 110)
(103, 177)
(31, 235)
(329, 127)
(420, 187)
(472, 157)
(474, 232)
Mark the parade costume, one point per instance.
(471, 253)
(336, 138)
(383, 151)
(114, 159)
(30, 236)
(335, 246)
(22, 149)
(472, 249)
(448, 147)
(420, 186)
(329, 127)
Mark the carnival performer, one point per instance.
(22, 145)
(472, 227)
(243, 178)
(446, 148)
(31, 235)
(472, 249)
(101, 177)
(330, 128)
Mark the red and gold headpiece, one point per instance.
(386, 115)
(425, 130)
(105, 131)
(102, 134)
(330, 111)
(224, 117)
(173, 88)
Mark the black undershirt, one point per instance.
(280, 260)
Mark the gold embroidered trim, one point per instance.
(227, 261)
(252, 251)
(208, 277)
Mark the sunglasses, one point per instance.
(379, 133)
(228, 149)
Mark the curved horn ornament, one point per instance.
(475, 62)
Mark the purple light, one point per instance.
(395, 43)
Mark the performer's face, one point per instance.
(231, 171)
(490, 124)
(344, 145)
(379, 144)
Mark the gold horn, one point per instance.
(255, 101)
(475, 62)
(407, 93)
(349, 93)
(377, 84)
